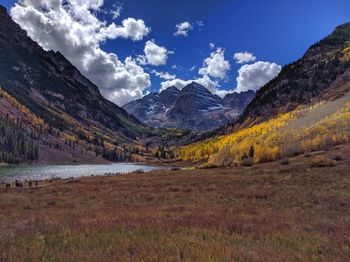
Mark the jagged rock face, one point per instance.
(169, 96)
(196, 97)
(49, 85)
(194, 107)
(321, 74)
(239, 101)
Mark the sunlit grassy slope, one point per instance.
(302, 130)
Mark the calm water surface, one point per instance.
(41, 172)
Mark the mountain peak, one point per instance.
(230, 95)
(339, 36)
(194, 88)
(194, 107)
(172, 89)
(169, 95)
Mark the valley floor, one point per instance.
(268, 212)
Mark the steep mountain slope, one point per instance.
(152, 108)
(169, 95)
(319, 75)
(50, 88)
(47, 83)
(306, 108)
(194, 107)
(25, 137)
(197, 108)
(300, 131)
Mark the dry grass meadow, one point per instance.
(268, 212)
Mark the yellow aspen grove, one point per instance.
(273, 139)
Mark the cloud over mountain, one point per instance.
(81, 32)
(164, 75)
(154, 54)
(254, 76)
(73, 28)
(216, 65)
(205, 81)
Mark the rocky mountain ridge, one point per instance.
(194, 107)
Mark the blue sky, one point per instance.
(275, 31)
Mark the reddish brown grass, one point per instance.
(266, 212)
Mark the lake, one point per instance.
(42, 172)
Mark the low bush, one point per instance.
(247, 162)
(284, 162)
(208, 166)
(224, 157)
(337, 158)
(322, 161)
(139, 171)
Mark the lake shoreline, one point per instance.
(11, 173)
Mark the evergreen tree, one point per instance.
(16, 143)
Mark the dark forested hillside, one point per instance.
(321, 74)
(17, 144)
(27, 137)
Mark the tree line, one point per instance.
(16, 143)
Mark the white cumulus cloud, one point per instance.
(73, 28)
(183, 28)
(154, 54)
(131, 28)
(164, 75)
(216, 65)
(254, 76)
(205, 81)
(244, 57)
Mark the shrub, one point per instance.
(322, 161)
(223, 158)
(247, 162)
(284, 162)
(139, 171)
(337, 158)
(208, 166)
(290, 150)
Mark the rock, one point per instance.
(194, 107)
